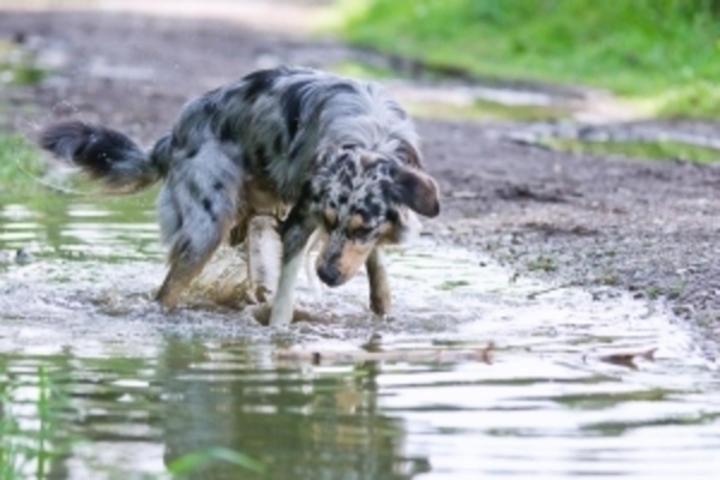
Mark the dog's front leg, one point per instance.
(263, 247)
(295, 232)
(284, 301)
(379, 286)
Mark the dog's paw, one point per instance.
(263, 294)
(250, 294)
(261, 313)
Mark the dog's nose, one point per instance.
(329, 274)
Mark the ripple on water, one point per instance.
(142, 387)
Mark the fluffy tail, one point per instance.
(106, 155)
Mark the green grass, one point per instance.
(363, 70)
(483, 110)
(541, 263)
(22, 449)
(662, 150)
(18, 67)
(476, 110)
(665, 50)
(23, 177)
(27, 452)
(21, 167)
(697, 99)
(22, 74)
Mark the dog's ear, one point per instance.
(417, 190)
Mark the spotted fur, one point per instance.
(319, 151)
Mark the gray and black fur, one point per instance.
(338, 153)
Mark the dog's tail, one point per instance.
(107, 155)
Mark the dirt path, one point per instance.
(595, 221)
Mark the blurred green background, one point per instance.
(662, 52)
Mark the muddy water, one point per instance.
(134, 388)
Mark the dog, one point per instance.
(327, 155)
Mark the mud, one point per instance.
(574, 220)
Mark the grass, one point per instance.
(23, 174)
(363, 70)
(22, 450)
(697, 99)
(664, 50)
(474, 110)
(664, 150)
(27, 452)
(484, 110)
(21, 167)
(542, 263)
(18, 67)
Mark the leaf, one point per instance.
(627, 359)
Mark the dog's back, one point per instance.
(275, 122)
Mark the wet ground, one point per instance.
(574, 266)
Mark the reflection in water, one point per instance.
(129, 416)
(135, 388)
(302, 424)
(67, 229)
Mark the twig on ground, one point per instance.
(425, 355)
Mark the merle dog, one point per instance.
(337, 155)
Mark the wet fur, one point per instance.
(321, 152)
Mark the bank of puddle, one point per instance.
(475, 373)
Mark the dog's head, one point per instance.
(362, 199)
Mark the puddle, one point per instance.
(134, 389)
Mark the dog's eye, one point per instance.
(330, 218)
(360, 232)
